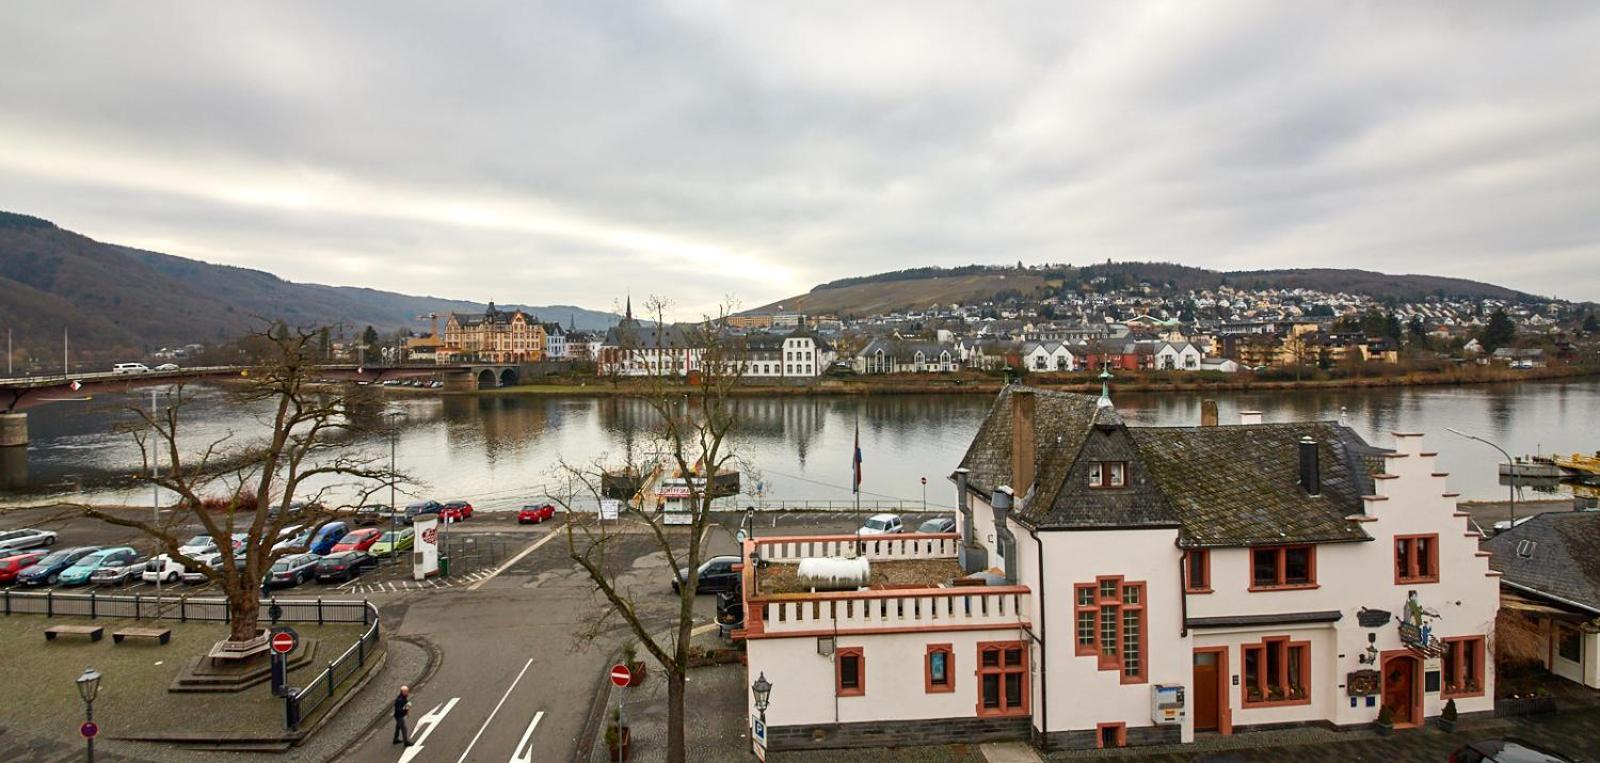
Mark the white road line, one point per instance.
(524, 751)
(351, 581)
(426, 724)
(513, 560)
(486, 721)
(435, 585)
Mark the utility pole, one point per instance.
(66, 357)
(155, 496)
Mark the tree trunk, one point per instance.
(244, 610)
(676, 752)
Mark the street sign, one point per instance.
(88, 729)
(283, 641)
(620, 675)
(76, 385)
(924, 480)
(758, 737)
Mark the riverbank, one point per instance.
(984, 384)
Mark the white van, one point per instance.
(130, 368)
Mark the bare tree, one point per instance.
(689, 392)
(260, 486)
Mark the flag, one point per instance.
(855, 464)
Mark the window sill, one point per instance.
(1290, 587)
(940, 689)
(1248, 705)
(1447, 694)
(1415, 581)
(1008, 712)
(851, 693)
(1197, 590)
(1127, 679)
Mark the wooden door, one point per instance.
(1206, 717)
(1399, 675)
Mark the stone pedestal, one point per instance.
(13, 430)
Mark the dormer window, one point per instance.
(1108, 474)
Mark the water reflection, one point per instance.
(503, 449)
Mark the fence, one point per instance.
(181, 608)
(924, 608)
(877, 548)
(469, 554)
(300, 703)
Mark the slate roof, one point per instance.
(1222, 486)
(1563, 557)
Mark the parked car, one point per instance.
(199, 545)
(325, 538)
(716, 574)
(345, 565)
(375, 514)
(419, 508)
(26, 538)
(455, 511)
(79, 572)
(47, 570)
(881, 524)
(114, 574)
(357, 540)
(11, 565)
(938, 525)
(161, 568)
(1509, 750)
(535, 514)
(393, 541)
(167, 367)
(130, 368)
(293, 570)
(214, 561)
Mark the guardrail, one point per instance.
(1000, 606)
(299, 703)
(877, 548)
(182, 608)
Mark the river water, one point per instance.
(501, 451)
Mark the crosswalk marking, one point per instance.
(426, 724)
(524, 751)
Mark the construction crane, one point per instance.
(433, 327)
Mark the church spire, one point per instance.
(1105, 387)
(628, 316)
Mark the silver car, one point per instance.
(26, 538)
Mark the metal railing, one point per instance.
(300, 703)
(181, 608)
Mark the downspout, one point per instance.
(1183, 592)
(1044, 654)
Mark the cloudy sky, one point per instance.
(573, 151)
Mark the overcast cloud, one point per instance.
(570, 152)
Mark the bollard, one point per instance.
(93, 610)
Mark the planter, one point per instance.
(1384, 729)
(636, 673)
(1447, 725)
(622, 745)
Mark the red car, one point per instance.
(535, 514)
(11, 565)
(357, 540)
(455, 511)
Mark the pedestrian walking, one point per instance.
(402, 704)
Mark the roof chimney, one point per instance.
(1310, 467)
(1208, 413)
(1022, 440)
(1249, 417)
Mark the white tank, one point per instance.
(834, 572)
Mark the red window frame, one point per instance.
(1283, 648)
(1455, 668)
(949, 684)
(1112, 597)
(1100, 734)
(1281, 582)
(839, 655)
(1197, 570)
(1416, 559)
(1006, 671)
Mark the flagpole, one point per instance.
(855, 465)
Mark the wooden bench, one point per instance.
(160, 634)
(94, 632)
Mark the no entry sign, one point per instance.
(620, 675)
(88, 729)
(283, 641)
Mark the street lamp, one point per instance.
(394, 509)
(763, 691)
(88, 687)
(1511, 471)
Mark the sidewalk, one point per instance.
(714, 704)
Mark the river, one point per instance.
(500, 451)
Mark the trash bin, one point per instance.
(444, 566)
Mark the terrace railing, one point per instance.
(876, 548)
(842, 612)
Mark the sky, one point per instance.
(577, 152)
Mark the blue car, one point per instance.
(47, 570)
(327, 537)
(78, 573)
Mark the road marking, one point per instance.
(426, 724)
(522, 755)
(513, 560)
(351, 581)
(430, 582)
(496, 709)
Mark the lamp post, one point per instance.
(88, 687)
(1511, 472)
(394, 509)
(762, 688)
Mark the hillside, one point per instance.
(118, 299)
(918, 288)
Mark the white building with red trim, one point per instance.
(1113, 585)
